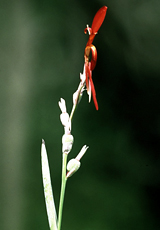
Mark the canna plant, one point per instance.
(68, 169)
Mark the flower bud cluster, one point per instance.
(67, 139)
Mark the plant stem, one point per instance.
(63, 186)
(73, 110)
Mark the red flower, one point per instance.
(90, 48)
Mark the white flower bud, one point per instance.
(62, 105)
(64, 117)
(82, 152)
(72, 166)
(83, 76)
(89, 91)
(67, 142)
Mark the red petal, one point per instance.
(94, 57)
(93, 91)
(90, 39)
(98, 19)
(94, 95)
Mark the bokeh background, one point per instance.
(41, 55)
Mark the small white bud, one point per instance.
(83, 76)
(62, 105)
(89, 91)
(67, 142)
(82, 152)
(72, 166)
(64, 117)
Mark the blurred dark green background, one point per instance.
(41, 55)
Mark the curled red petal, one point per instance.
(98, 19)
(94, 57)
(85, 30)
(87, 53)
(88, 29)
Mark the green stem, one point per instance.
(63, 186)
(73, 110)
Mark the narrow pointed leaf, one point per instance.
(50, 205)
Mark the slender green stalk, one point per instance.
(73, 110)
(63, 186)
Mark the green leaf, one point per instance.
(50, 205)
